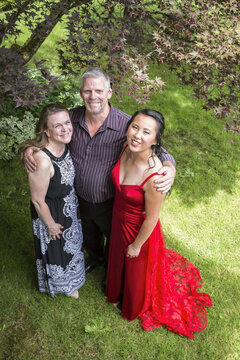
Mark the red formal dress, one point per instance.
(160, 286)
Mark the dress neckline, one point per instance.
(55, 158)
(143, 183)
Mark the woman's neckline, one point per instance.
(119, 165)
(56, 158)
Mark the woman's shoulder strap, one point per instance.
(149, 177)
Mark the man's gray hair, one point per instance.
(95, 73)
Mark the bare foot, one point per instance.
(75, 294)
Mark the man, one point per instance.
(98, 136)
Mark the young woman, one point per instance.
(54, 206)
(144, 278)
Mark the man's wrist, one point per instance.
(168, 163)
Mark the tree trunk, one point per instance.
(43, 29)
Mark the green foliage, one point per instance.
(17, 125)
(15, 130)
(66, 92)
(201, 42)
(97, 326)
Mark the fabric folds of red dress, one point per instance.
(160, 286)
(171, 296)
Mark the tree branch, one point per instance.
(43, 29)
(12, 19)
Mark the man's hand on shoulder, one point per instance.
(29, 162)
(166, 177)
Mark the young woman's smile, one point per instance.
(141, 134)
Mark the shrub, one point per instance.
(14, 130)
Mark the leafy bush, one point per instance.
(18, 124)
(65, 92)
(14, 130)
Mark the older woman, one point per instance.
(54, 206)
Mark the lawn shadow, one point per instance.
(207, 156)
(204, 166)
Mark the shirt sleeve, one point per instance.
(165, 156)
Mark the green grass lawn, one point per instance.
(200, 220)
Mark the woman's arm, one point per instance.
(39, 182)
(153, 203)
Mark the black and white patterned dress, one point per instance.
(60, 262)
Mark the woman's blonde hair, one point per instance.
(41, 138)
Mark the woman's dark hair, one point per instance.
(157, 149)
(41, 138)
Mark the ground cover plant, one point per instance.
(200, 220)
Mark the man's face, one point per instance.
(95, 94)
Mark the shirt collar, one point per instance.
(111, 120)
